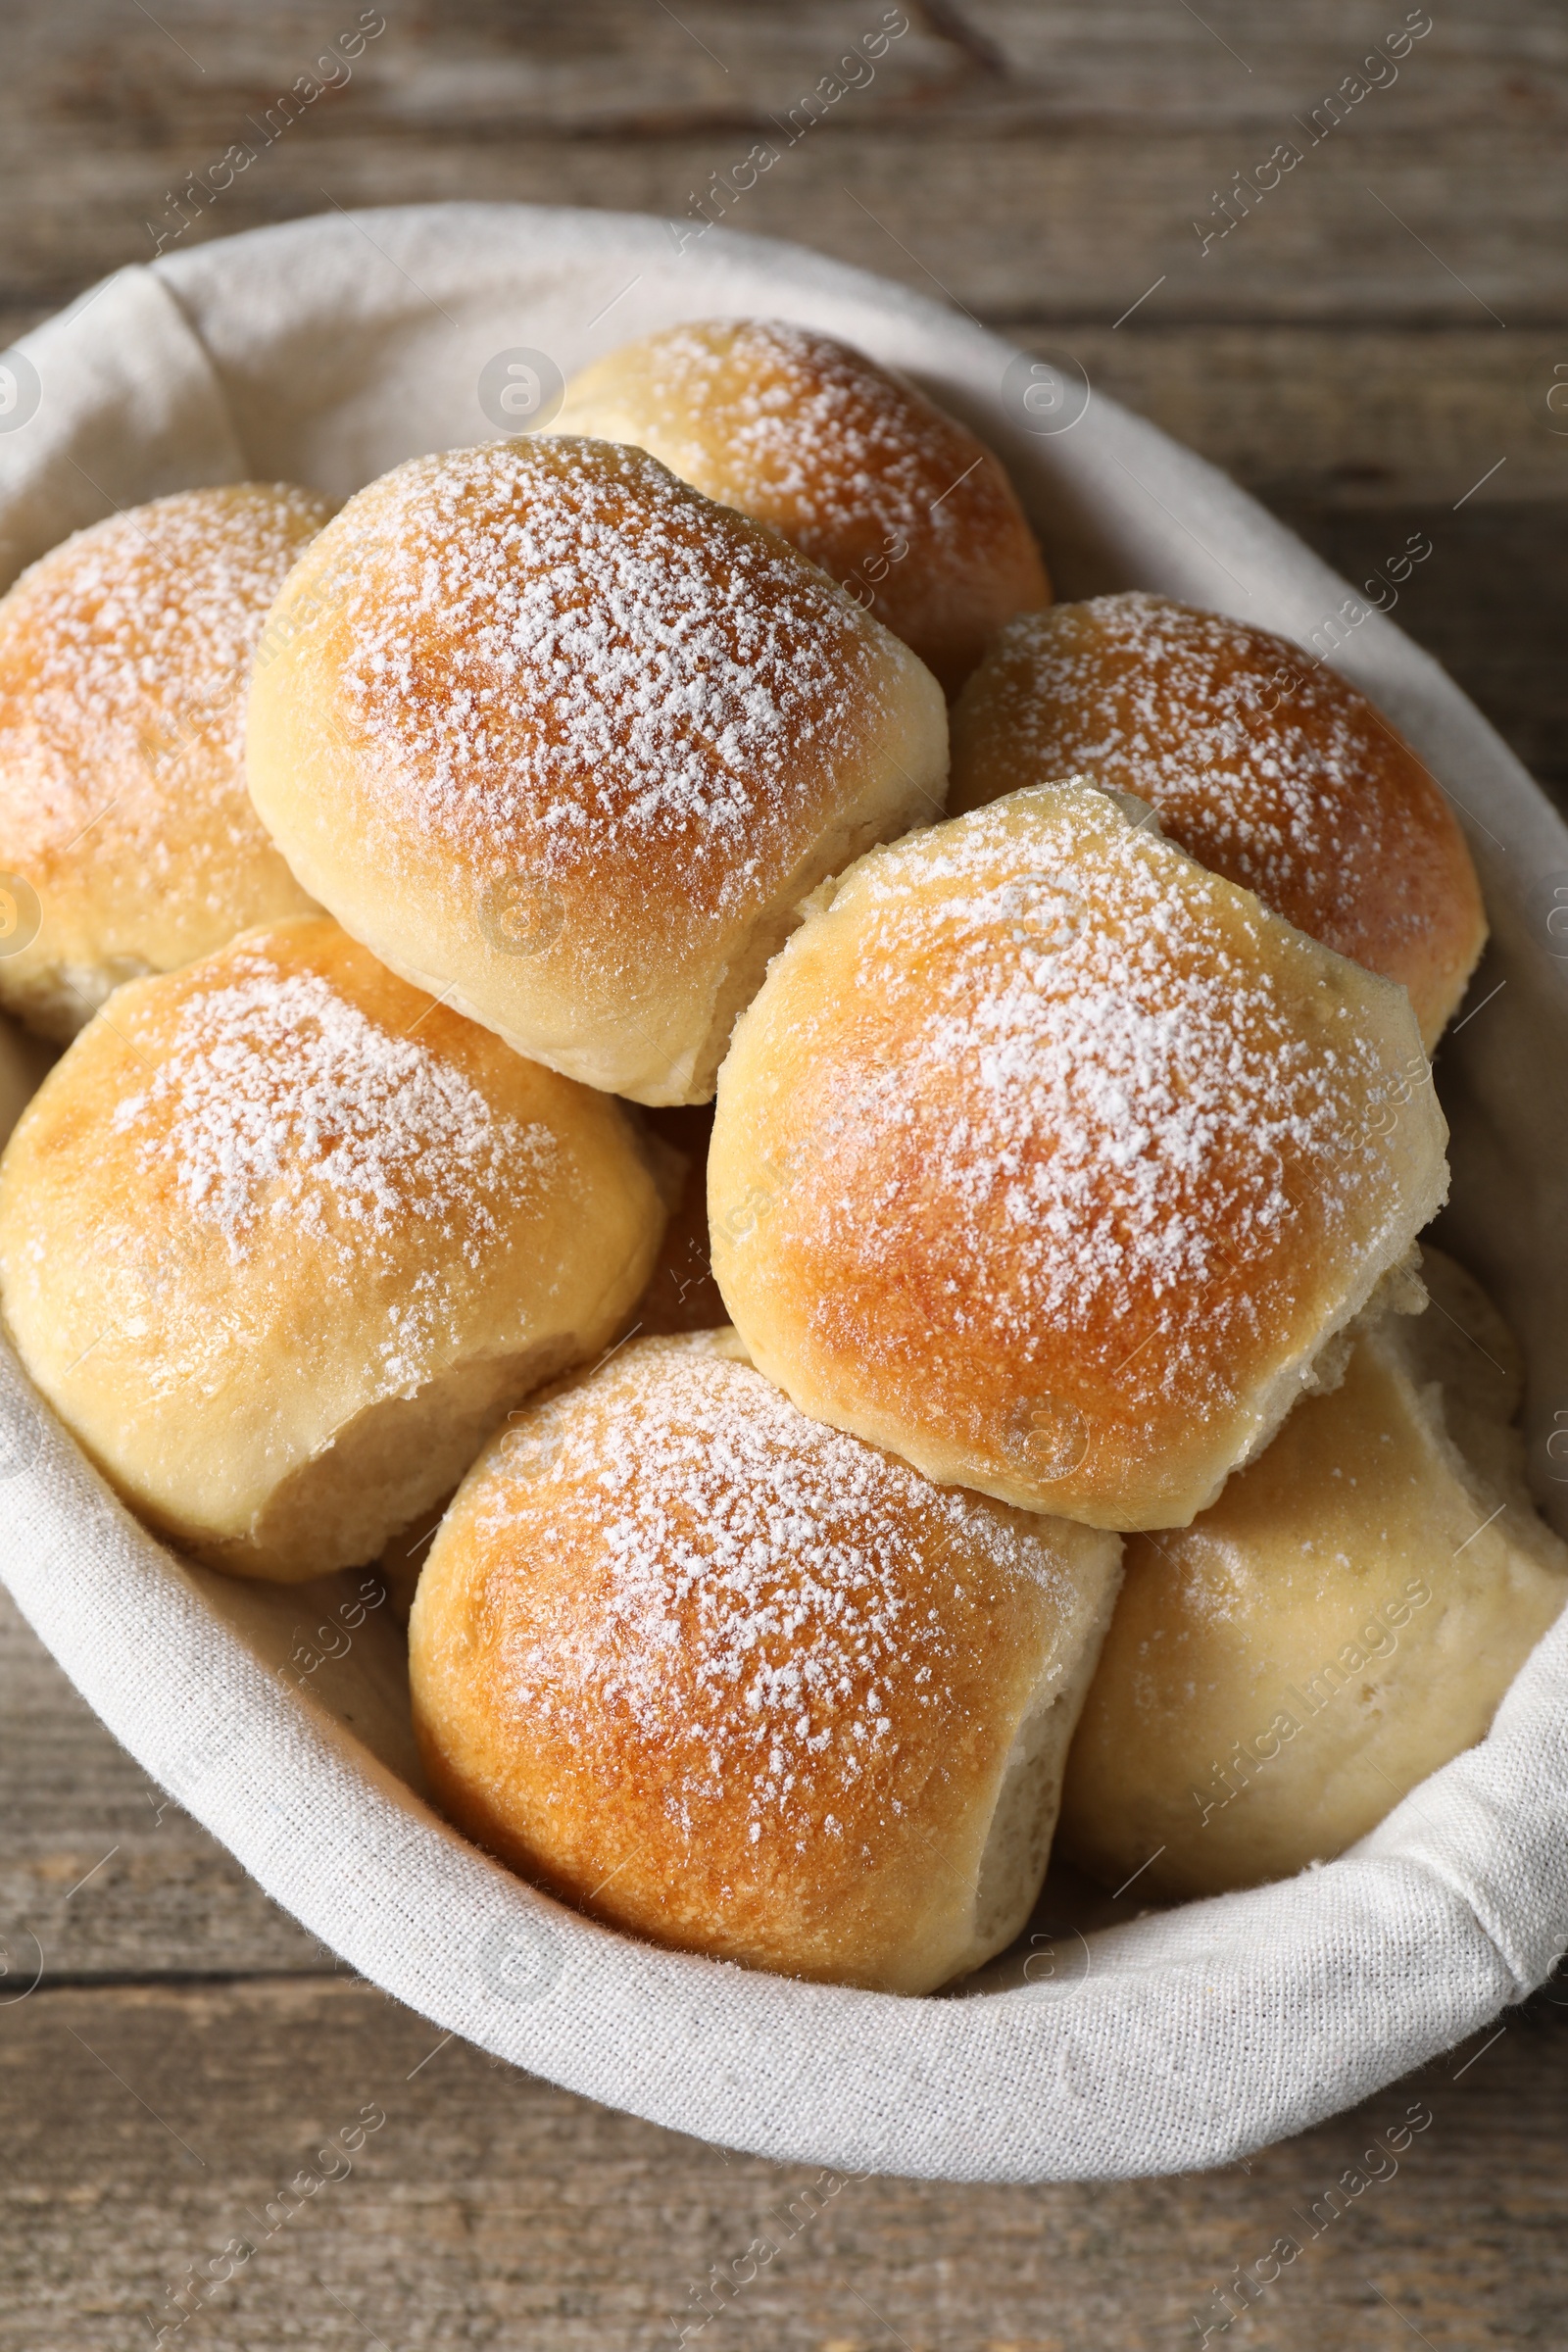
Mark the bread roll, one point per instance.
(747, 1686)
(1054, 1163)
(856, 467)
(124, 656)
(281, 1240)
(1342, 1622)
(1266, 764)
(567, 743)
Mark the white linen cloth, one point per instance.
(324, 352)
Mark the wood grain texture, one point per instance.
(101, 1872)
(189, 2049)
(1049, 163)
(147, 2130)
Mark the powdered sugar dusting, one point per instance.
(823, 443)
(785, 1607)
(1101, 1117)
(125, 655)
(571, 658)
(281, 1103)
(1271, 767)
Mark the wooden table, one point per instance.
(1372, 349)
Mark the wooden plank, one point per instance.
(1369, 416)
(1075, 227)
(491, 2209)
(101, 1873)
(617, 67)
(1058, 181)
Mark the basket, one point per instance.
(326, 351)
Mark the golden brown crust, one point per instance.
(282, 1237)
(1340, 1623)
(1272, 770)
(124, 656)
(737, 1682)
(1051, 1161)
(561, 739)
(856, 469)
